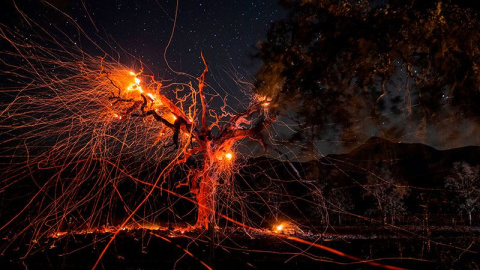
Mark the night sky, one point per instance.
(226, 31)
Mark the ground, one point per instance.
(237, 248)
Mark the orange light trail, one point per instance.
(184, 250)
(288, 237)
(78, 117)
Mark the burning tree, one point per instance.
(79, 117)
(213, 141)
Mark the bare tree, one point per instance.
(464, 179)
(340, 199)
(69, 109)
(387, 194)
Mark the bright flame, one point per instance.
(151, 96)
(136, 84)
(287, 228)
(229, 156)
(261, 98)
(264, 99)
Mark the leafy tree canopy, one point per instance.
(358, 66)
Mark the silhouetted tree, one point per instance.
(340, 200)
(367, 67)
(387, 194)
(465, 180)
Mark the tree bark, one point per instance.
(206, 201)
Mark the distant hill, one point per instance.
(419, 168)
(418, 164)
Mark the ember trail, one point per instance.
(78, 119)
(98, 111)
(103, 154)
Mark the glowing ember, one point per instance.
(260, 98)
(84, 103)
(151, 96)
(287, 228)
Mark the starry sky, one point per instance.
(226, 31)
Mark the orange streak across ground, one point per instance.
(184, 250)
(296, 239)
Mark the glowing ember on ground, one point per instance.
(288, 228)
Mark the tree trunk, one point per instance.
(206, 202)
(470, 217)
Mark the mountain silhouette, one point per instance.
(414, 163)
(420, 168)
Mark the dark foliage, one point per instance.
(355, 65)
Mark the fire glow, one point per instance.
(158, 124)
